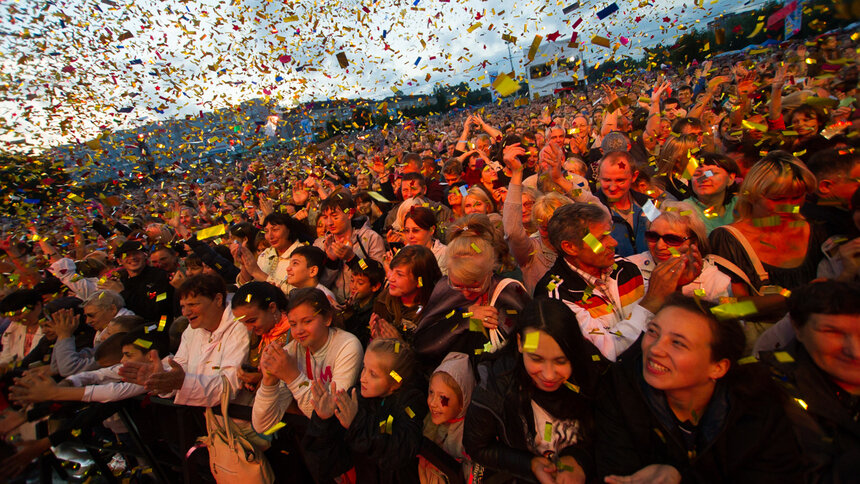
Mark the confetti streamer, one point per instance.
(531, 343)
(596, 245)
(275, 428)
(601, 41)
(607, 11)
(734, 310)
(534, 47)
(505, 86)
(142, 343)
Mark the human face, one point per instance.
(362, 181)
(473, 204)
(360, 288)
(488, 175)
(615, 180)
(843, 186)
(556, 136)
(337, 222)
(402, 281)
(186, 218)
(163, 260)
(470, 289)
(257, 320)
(580, 128)
(665, 129)
(364, 208)
(202, 312)
(193, 270)
(375, 377)
(528, 203)
(442, 401)
(277, 236)
(676, 352)
(547, 365)
(98, 317)
(833, 342)
(596, 262)
(131, 353)
(309, 327)
(685, 96)
(671, 111)
(134, 262)
(451, 179)
(298, 272)
(805, 125)
(709, 180)
(411, 188)
(660, 250)
(415, 235)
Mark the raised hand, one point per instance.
(346, 408)
(324, 399)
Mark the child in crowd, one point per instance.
(262, 308)
(376, 433)
(368, 276)
(316, 352)
(448, 398)
(306, 265)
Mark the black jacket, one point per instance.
(829, 429)
(500, 422)
(141, 294)
(378, 456)
(741, 439)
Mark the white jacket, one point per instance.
(205, 356)
(339, 360)
(105, 385)
(14, 341)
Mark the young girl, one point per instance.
(317, 352)
(413, 274)
(449, 396)
(377, 432)
(531, 414)
(262, 308)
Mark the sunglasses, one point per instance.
(670, 239)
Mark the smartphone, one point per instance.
(249, 368)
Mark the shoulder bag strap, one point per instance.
(225, 404)
(763, 276)
(729, 265)
(501, 286)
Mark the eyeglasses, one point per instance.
(479, 289)
(670, 239)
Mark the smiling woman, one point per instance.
(678, 404)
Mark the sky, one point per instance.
(73, 69)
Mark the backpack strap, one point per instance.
(734, 269)
(763, 276)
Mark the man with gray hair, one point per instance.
(99, 310)
(607, 294)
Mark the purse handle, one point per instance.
(226, 391)
(501, 286)
(763, 276)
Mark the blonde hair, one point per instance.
(675, 153)
(777, 174)
(471, 247)
(683, 214)
(546, 205)
(481, 195)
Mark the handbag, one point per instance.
(233, 456)
(497, 339)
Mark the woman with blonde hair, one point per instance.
(472, 309)
(679, 232)
(770, 242)
(675, 156)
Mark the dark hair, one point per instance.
(90, 267)
(835, 161)
(415, 176)
(158, 340)
(709, 158)
(72, 303)
(259, 294)
(314, 256)
(422, 216)
(157, 247)
(338, 201)
(313, 296)
(424, 267)
(20, 299)
(369, 268)
(570, 223)
(204, 285)
(553, 317)
(193, 260)
(682, 123)
(727, 335)
(245, 230)
(452, 167)
(128, 322)
(685, 87)
(825, 297)
(810, 111)
(672, 100)
(411, 158)
(278, 218)
(111, 348)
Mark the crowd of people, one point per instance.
(654, 280)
